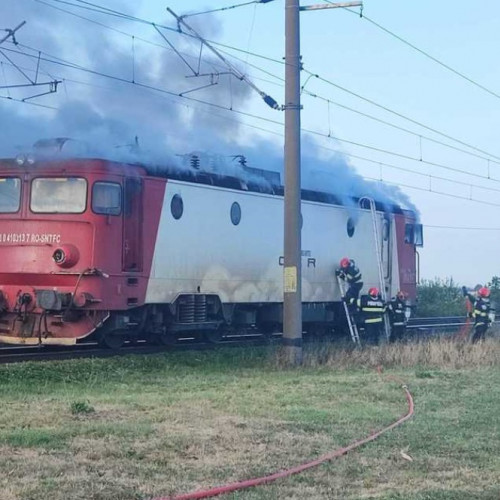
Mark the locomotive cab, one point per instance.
(71, 247)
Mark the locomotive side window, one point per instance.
(58, 195)
(414, 234)
(419, 235)
(386, 229)
(235, 213)
(351, 227)
(177, 206)
(10, 194)
(107, 198)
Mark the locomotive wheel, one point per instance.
(113, 339)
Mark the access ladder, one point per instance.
(353, 329)
(378, 258)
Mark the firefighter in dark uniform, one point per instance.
(349, 273)
(371, 310)
(481, 312)
(397, 316)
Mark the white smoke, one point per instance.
(108, 115)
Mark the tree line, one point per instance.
(444, 297)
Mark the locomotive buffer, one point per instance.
(353, 329)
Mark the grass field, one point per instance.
(144, 426)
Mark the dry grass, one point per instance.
(173, 423)
(435, 353)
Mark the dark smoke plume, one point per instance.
(108, 115)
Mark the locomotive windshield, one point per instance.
(10, 194)
(67, 195)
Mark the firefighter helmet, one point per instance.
(345, 262)
(373, 291)
(484, 292)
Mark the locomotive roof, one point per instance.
(262, 181)
(256, 180)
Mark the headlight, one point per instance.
(59, 256)
(66, 255)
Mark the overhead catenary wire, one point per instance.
(229, 7)
(52, 85)
(397, 127)
(233, 69)
(9, 98)
(262, 129)
(317, 133)
(423, 52)
(400, 115)
(105, 10)
(413, 172)
(159, 45)
(173, 94)
(463, 228)
(313, 132)
(348, 155)
(434, 191)
(311, 94)
(247, 52)
(375, 179)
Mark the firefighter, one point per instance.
(371, 309)
(349, 273)
(481, 313)
(397, 316)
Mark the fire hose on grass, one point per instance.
(240, 485)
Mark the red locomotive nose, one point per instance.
(66, 255)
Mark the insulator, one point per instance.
(195, 162)
(242, 160)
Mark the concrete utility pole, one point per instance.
(292, 273)
(292, 278)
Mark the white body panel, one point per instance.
(205, 252)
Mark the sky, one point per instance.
(121, 78)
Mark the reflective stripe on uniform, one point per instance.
(373, 320)
(480, 313)
(373, 309)
(399, 324)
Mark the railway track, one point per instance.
(442, 324)
(16, 354)
(417, 328)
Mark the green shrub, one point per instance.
(440, 297)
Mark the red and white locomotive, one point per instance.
(95, 247)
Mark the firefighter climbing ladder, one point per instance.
(378, 258)
(353, 329)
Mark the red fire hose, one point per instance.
(219, 490)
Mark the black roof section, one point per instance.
(252, 180)
(262, 181)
